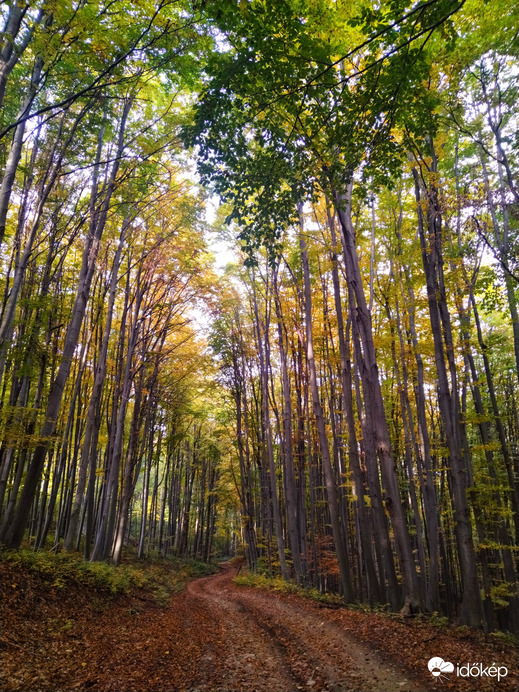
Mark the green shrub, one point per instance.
(161, 577)
(261, 581)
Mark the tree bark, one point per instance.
(268, 436)
(472, 608)
(331, 491)
(16, 530)
(375, 405)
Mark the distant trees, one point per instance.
(354, 426)
(102, 431)
(386, 147)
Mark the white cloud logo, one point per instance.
(439, 667)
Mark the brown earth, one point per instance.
(218, 637)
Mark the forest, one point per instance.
(259, 284)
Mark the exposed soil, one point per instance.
(281, 643)
(217, 637)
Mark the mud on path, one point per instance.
(277, 644)
(217, 637)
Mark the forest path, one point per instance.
(216, 636)
(271, 643)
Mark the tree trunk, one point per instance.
(347, 407)
(375, 406)
(472, 609)
(268, 437)
(92, 418)
(20, 519)
(294, 529)
(331, 492)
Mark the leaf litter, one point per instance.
(216, 636)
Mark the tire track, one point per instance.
(248, 658)
(309, 651)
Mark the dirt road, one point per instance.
(217, 637)
(272, 644)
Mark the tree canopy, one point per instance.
(339, 402)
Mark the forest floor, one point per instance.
(216, 636)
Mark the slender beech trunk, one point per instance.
(348, 411)
(331, 491)
(472, 608)
(106, 524)
(408, 444)
(15, 152)
(141, 413)
(242, 438)
(268, 435)
(514, 492)
(422, 455)
(290, 480)
(14, 42)
(163, 502)
(92, 418)
(61, 457)
(16, 530)
(145, 500)
(16, 250)
(22, 261)
(128, 472)
(301, 448)
(375, 405)
(502, 248)
(382, 543)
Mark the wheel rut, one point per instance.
(289, 646)
(219, 637)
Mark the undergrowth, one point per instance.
(260, 581)
(160, 576)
